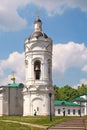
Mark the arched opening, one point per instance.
(37, 106)
(37, 69)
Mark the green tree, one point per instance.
(65, 93)
(82, 89)
(56, 92)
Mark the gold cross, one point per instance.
(37, 14)
(13, 73)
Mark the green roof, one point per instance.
(85, 93)
(64, 103)
(14, 85)
(79, 99)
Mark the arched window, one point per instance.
(37, 69)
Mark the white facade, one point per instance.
(83, 101)
(11, 100)
(38, 63)
(69, 111)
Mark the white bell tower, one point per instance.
(38, 93)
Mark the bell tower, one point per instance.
(38, 65)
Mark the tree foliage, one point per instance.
(68, 93)
(82, 89)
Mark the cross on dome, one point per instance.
(13, 77)
(38, 14)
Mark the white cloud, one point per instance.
(69, 55)
(9, 17)
(11, 20)
(59, 6)
(83, 81)
(15, 62)
(65, 56)
(84, 68)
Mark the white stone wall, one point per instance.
(37, 100)
(84, 103)
(26, 106)
(16, 101)
(66, 108)
(12, 101)
(38, 51)
(36, 96)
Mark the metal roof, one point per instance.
(15, 85)
(37, 35)
(79, 99)
(65, 103)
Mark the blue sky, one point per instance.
(65, 21)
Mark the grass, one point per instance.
(16, 126)
(40, 120)
(85, 118)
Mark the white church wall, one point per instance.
(38, 103)
(69, 111)
(12, 102)
(26, 107)
(5, 101)
(38, 53)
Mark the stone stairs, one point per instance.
(70, 124)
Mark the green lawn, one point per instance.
(16, 126)
(40, 120)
